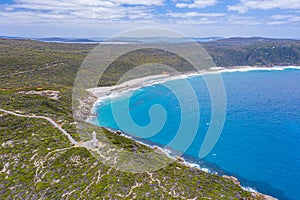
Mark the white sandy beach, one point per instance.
(132, 84)
(106, 92)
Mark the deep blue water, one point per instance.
(260, 141)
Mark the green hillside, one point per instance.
(254, 52)
(38, 162)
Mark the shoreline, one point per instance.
(109, 92)
(190, 164)
(104, 93)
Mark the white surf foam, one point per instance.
(246, 69)
(249, 189)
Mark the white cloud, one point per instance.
(239, 8)
(277, 22)
(141, 2)
(194, 14)
(195, 18)
(197, 4)
(283, 19)
(245, 21)
(200, 21)
(36, 11)
(112, 16)
(244, 5)
(290, 18)
(93, 2)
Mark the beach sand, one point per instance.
(132, 84)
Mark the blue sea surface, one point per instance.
(260, 141)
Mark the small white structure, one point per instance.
(94, 141)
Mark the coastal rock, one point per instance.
(55, 95)
(180, 159)
(158, 150)
(233, 179)
(263, 196)
(118, 132)
(254, 194)
(266, 197)
(84, 110)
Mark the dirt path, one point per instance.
(71, 139)
(27, 71)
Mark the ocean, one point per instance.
(260, 141)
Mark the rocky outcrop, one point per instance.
(255, 195)
(180, 159)
(84, 109)
(55, 95)
(233, 179)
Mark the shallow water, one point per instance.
(260, 141)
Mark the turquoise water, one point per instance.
(260, 141)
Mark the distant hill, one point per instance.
(29, 55)
(66, 40)
(237, 51)
(208, 39)
(225, 53)
(164, 39)
(57, 39)
(254, 51)
(121, 39)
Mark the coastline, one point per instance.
(183, 161)
(104, 93)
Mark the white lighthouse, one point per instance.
(94, 141)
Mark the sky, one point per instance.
(106, 18)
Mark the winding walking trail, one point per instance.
(28, 71)
(71, 139)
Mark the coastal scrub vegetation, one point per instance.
(38, 162)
